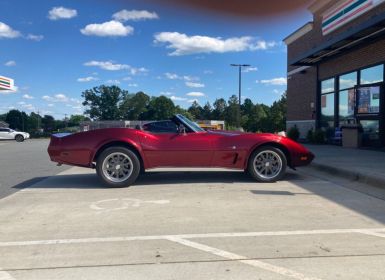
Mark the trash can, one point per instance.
(351, 135)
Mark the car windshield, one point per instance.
(194, 126)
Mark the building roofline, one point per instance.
(298, 33)
(318, 5)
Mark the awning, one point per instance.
(365, 33)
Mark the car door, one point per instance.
(174, 149)
(5, 133)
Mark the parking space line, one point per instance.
(186, 236)
(234, 257)
(373, 233)
(5, 275)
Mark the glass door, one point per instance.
(369, 113)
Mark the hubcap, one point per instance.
(267, 164)
(117, 167)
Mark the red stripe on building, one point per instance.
(338, 10)
(349, 16)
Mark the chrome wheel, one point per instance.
(117, 167)
(267, 164)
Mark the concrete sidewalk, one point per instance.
(366, 166)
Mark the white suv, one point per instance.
(10, 134)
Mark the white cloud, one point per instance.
(21, 103)
(182, 44)
(136, 71)
(33, 37)
(275, 81)
(208, 72)
(10, 63)
(177, 98)
(87, 79)
(28, 107)
(111, 28)
(113, 82)
(27, 96)
(128, 78)
(133, 85)
(50, 105)
(250, 69)
(195, 94)
(57, 13)
(173, 76)
(56, 98)
(111, 66)
(135, 15)
(195, 85)
(7, 32)
(107, 65)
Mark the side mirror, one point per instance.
(181, 129)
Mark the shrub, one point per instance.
(310, 136)
(293, 133)
(319, 136)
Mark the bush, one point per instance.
(319, 136)
(293, 133)
(310, 136)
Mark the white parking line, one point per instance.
(187, 236)
(231, 256)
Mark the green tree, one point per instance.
(196, 111)
(220, 106)
(134, 107)
(75, 120)
(231, 112)
(207, 111)
(48, 123)
(15, 119)
(160, 108)
(104, 102)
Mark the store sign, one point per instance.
(6, 83)
(346, 12)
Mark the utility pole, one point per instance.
(240, 91)
(38, 119)
(65, 120)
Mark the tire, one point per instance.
(267, 164)
(19, 138)
(118, 167)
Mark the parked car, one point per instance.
(120, 154)
(10, 134)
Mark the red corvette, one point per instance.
(120, 154)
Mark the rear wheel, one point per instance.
(118, 167)
(267, 164)
(19, 138)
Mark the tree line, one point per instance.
(114, 103)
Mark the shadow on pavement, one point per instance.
(91, 181)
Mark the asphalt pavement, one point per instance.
(193, 225)
(23, 164)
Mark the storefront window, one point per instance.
(368, 100)
(327, 110)
(372, 75)
(346, 106)
(348, 80)
(327, 86)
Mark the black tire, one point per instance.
(278, 163)
(123, 154)
(19, 138)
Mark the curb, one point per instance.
(369, 179)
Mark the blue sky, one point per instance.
(54, 50)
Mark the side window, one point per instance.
(4, 130)
(161, 127)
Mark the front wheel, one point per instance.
(267, 164)
(19, 138)
(118, 167)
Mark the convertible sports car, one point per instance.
(121, 154)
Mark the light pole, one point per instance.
(240, 91)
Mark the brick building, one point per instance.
(336, 69)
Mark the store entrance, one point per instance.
(370, 114)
